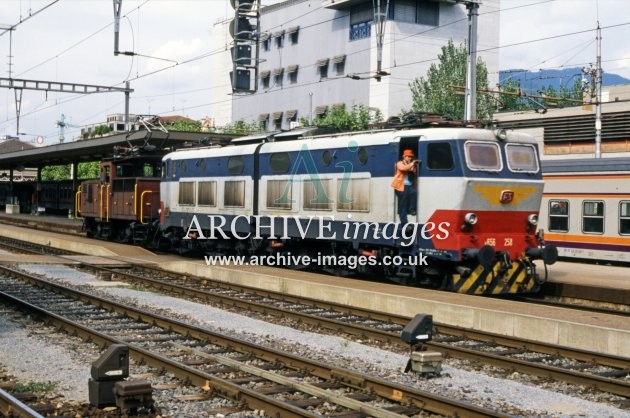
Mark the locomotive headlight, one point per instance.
(532, 219)
(470, 218)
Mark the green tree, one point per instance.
(184, 126)
(100, 130)
(357, 119)
(62, 172)
(436, 93)
(241, 127)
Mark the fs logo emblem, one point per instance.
(506, 196)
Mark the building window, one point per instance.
(559, 215)
(422, 12)
(263, 121)
(320, 111)
(339, 61)
(279, 36)
(277, 76)
(360, 31)
(292, 71)
(264, 78)
(277, 120)
(428, 13)
(291, 116)
(593, 217)
(624, 217)
(293, 34)
(322, 68)
(265, 41)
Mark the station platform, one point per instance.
(599, 332)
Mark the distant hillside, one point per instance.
(533, 81)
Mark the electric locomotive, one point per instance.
(123, 203)
(327, 198)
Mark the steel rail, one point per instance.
(389, 390)
(10, 406)
(605, 384)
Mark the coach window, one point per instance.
(483, 156)
(317, 194)
(236, 165)
(521, 158)
(234, 194)
(624, 217)
(207, 193)
(279, 162)
(186, 193)
(439, 156)
(593, 217)
(559, 215)
(353, 195)
(279, 194)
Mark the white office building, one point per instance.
(317, 54)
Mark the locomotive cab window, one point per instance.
(439, 156)
(236, 165)
(624, 217)
(593, 217)
(483, 156)
(521, 158)
(559, 215)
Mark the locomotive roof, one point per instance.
(585, 165)
(363, 138)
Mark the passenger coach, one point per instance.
(586, 208)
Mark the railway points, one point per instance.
(595, 332)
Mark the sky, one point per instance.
(73, 41)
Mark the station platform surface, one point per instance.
(598, 332)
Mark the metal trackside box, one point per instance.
(113, 364)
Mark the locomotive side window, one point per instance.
(279, 162)
(317, 194)
(593, 217)
(236, 165)
(521, 158)
(165, 169)
(439, 156)
(207, 193)
(559, 215)
(326, 158)
(624, 217)
(234, 194)
(186, 193)
(362, 155)
(279, 194)
(353, 195)
(483, 156)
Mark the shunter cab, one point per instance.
(124, 201)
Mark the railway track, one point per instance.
(605, 373)
(279, 383)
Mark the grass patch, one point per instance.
(35, 387)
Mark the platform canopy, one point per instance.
(100, 148)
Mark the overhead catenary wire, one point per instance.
(210, 53)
